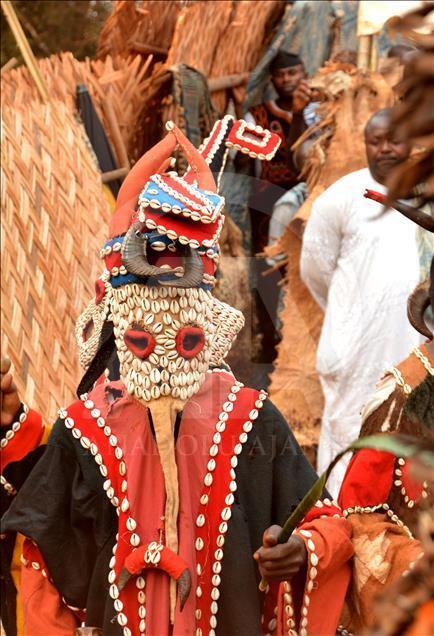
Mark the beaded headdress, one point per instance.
(164, 236)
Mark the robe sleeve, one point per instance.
(321, 245)
(328, 542)
(327, 537)
(20, 438)
(60, 509)
(22, 445)
(44, 611)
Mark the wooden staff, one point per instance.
(25, 49)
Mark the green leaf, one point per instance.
(399, 445)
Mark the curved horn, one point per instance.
(134, 254)
(150, 163)
(193, 271)
(417, 303)
(197, 163)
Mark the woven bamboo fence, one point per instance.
(118, 86)
(54, 220)
(295, 387)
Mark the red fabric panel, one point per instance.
(333, 547)
(114, 259)
(316, 512)
(43, 609)
(184, 226)
(413, 488)
(26, 439)
(169, 561)
(368, 479)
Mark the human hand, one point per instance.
(301, 96)
(10, 402)
(280, 561)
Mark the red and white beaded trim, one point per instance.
(242, 147)
(15, 427)
(35, 565)
(207, 596)
(383, 506)
(226, 513)
(38, 566)
(116, 489)
(321, 503)
(218, 132)
(108, 249)
(248, 126)
(184, 240)
(212, 143)
(118, 271)
(311, 584)
(312, 574)
(288, 611)
(412, 565)
(7, 486)
(10, 489)
(399, 482)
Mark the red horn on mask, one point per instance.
(156, 160)
(152, 162)
(199, 169)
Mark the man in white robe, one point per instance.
(360, 265)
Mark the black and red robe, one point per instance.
(96, 495)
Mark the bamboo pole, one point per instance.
(9, 64)
(25, 49)
(364, 51)
(373, 55)
(120, 149)
(112, 175)
(226, 81)
(139, 47)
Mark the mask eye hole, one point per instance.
(190, 341)
(88, 330)
(139, 341)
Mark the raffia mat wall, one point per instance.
(54, 221)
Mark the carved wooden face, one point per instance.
(163, 338)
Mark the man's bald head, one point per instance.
(382, 117)
(384, 150)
